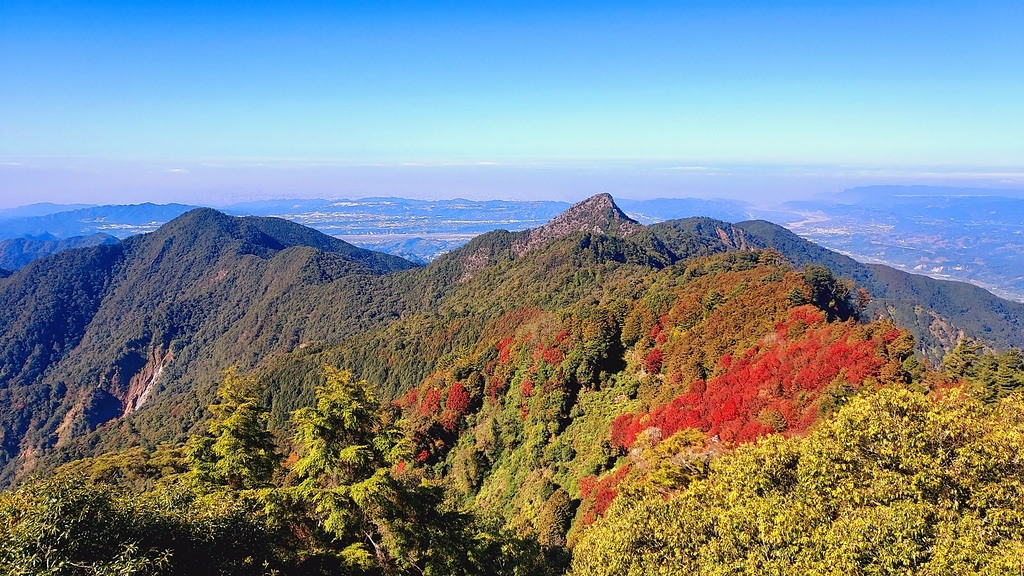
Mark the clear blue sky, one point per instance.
(119, 90)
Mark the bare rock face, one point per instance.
(735, 238)
(143, 382)
(597, 214)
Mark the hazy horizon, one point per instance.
(97, 181)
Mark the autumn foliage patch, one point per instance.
(431, 402)
(653, 360)
(456, 406)
(599, 493)
(774, 387)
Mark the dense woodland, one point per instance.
(674, 401)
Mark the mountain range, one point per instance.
(589, 396)
(93, 334)
(122, 343)
(948, 233)
(17, 252)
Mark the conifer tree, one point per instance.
(238, 451)
(344, 468)
(379, 518)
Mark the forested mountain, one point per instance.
(17, 252)
(593, 396)
(94, 334)
(938, 312)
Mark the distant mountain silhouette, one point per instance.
(40, 209)
(17, 252)
(119, 220)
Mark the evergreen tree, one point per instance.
(238, 451)
(963, 360)
(993, 375)
(349, 449)
(1010, 371)
(829, 293)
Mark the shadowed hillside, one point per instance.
(18, 252)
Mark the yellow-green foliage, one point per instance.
(238, 450)
(896, 483)
(65, 526)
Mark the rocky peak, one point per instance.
(597, 214)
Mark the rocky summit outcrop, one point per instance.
(597, 214)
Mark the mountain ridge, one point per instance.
(131, 219)
(15, 253)
(976, 312)
(161, 314)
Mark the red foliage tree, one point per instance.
(407, 400)
(653, 360)
(599, 493)
(455, 406)
(431, 402)
(504, 349)
(553, 355)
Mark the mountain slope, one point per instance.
(495, 274)
(553, 395)
(938, 312)
(17, 252)
(94, 334)
(159, 316)
(466, 289)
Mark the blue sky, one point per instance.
(118, 98)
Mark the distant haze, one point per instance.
(225, 182)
